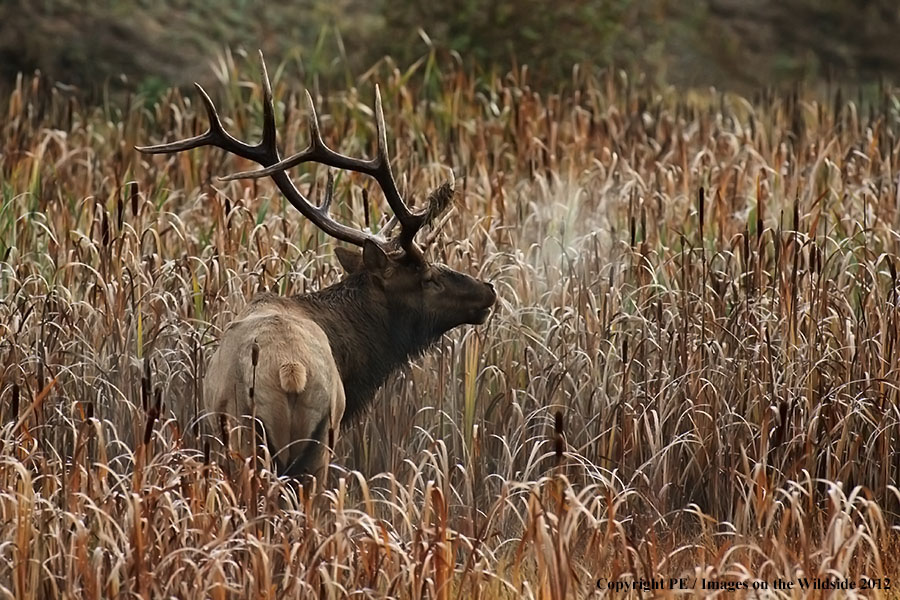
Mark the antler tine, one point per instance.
(265, 153)
(410, 223)
(438, 201)
(389, 226)
(378, 168)
(315, 132)
(436, 228)
(329, 193)
(317, 151)
(384, 174)
(214, 136)
(269, 132)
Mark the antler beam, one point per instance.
(266, 154)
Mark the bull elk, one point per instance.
(316, 360)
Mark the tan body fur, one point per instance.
(298, 391)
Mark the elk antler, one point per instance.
(266, 154)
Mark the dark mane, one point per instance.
(369, 341)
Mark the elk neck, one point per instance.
(369, 341)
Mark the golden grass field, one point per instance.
(691, 370)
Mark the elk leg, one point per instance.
(261, 436)
(312, 454)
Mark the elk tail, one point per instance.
(293, 377)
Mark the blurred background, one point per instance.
(146, 45)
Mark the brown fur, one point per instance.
(322, 356)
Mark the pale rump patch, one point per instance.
(293, 377)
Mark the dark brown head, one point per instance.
(436, 295)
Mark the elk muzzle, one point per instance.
(489, 297)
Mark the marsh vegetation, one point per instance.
(691, 368)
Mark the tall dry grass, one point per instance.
(691, 371)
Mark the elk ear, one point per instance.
(351, 260)
(373, 257)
